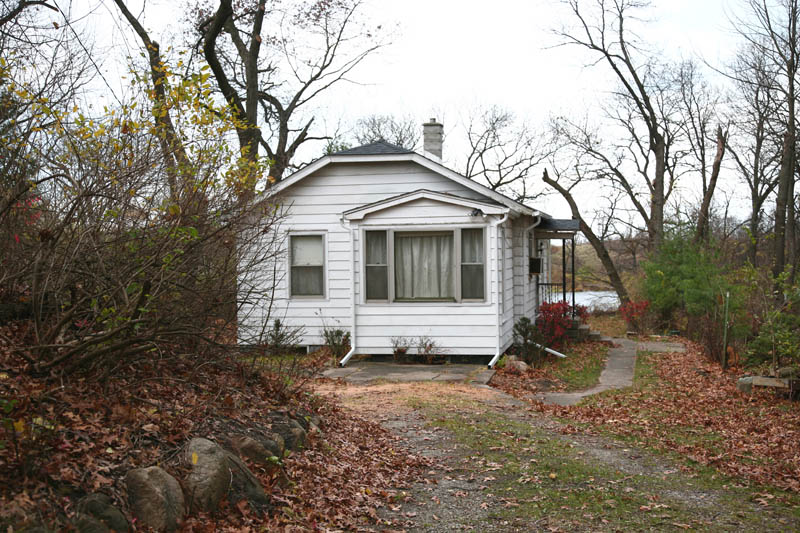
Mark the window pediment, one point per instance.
(417, 197)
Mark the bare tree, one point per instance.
(184, 191)
(596, 242)
(643, 108)
(698, 112)
(771, 30)
(754, 148)
(270, 61)
(402, 131)
(44, 72)
(504, 152)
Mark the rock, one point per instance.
(745, 384)
(89, 524)
(156, 498)
(217, 473)
(296, 439)
(101, 508)
(314, 430)
(517, 367)
(251, 449)
(301, 420)
(306, 418)
(293, 434)
(274, 443)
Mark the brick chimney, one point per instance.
(432, 135)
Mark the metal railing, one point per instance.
(551, 292)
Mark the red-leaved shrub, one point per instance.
(553, 322)
(633, 313)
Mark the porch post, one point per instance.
(573, 276)
(564, 270)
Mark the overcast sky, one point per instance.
(449, 56)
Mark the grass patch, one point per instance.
(582, 367)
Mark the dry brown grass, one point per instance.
(609, 324)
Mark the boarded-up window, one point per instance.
(308, 265)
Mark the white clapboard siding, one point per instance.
(316, 205)
(519, 260)
(507, 319)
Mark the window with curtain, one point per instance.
(377, 265)
(424, 266)
(472, 269)
(307, 265)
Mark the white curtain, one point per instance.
(423, 266)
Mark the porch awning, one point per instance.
(557, 228)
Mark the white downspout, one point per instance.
(496, 227)
(528, 229)
(352, 351)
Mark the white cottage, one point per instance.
(385, 242)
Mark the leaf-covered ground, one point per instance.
(683, 403)
(502, 466)
(61, 439)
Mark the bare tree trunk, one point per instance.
(781, 203)
(703, 233)
(657, 201)
(179, 170)
(597, 244)
(752, 245)
(791, 230)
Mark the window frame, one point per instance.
(455, 230)
(388, 265)
(311, 233)
(483, 263)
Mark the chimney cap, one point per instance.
(432, 122)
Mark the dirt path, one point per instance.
(502, 467)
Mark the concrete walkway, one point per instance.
(618, 372)
(366, 371)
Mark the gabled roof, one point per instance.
(376, 148)
(360, 212)
(515, 207)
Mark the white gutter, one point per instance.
(352, 351)
(496, 226)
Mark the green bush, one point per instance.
(337, 340)
(686, 283)
(777, 342)
(528, 341)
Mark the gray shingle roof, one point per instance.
(378, 147)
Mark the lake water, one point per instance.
(596, 300)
